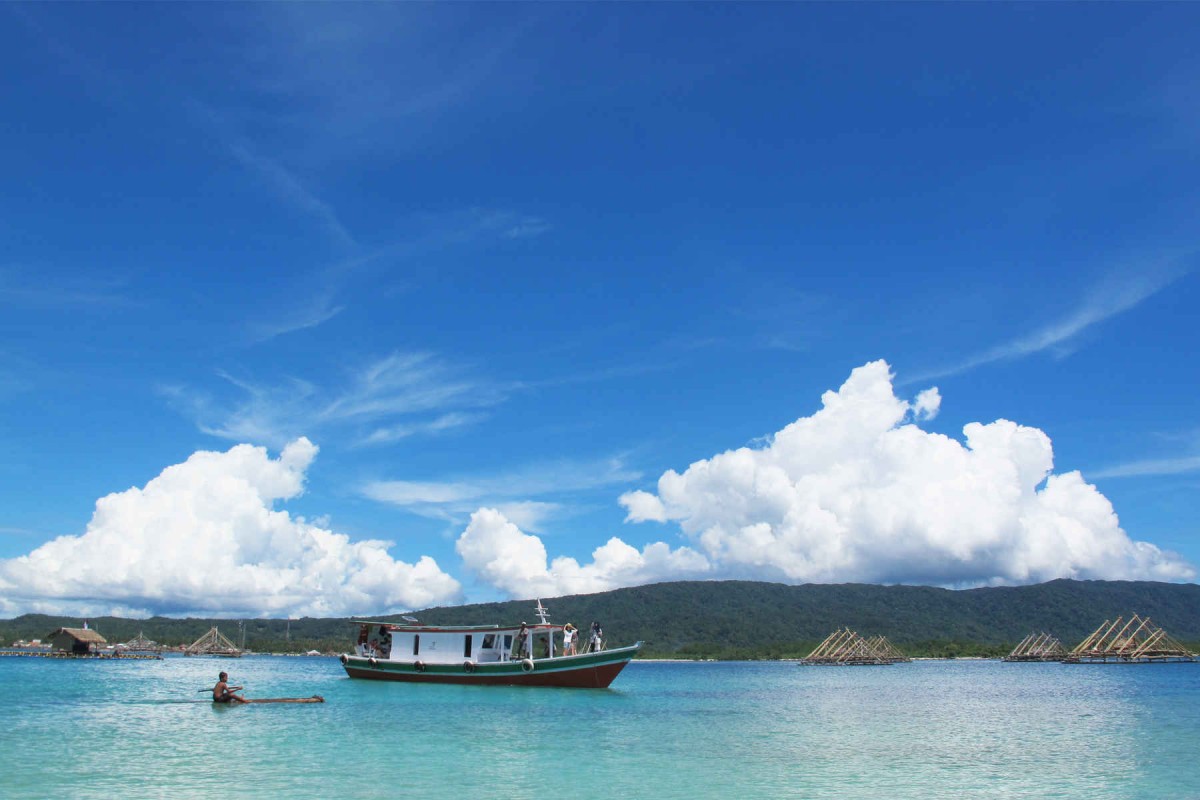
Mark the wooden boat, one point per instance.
(521, 655)
(316, 698)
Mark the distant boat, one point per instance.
(479, 654)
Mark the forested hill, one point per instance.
(731, 617)
(744, 619)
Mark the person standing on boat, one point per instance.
(569, 633)
(224, 693)
(525, 640)
(597, 638)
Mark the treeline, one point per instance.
(739, 619)
(332, 635)
(743, 619)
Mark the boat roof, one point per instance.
(422, 627)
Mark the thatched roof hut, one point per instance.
(75, 640)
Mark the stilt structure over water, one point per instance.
(213, 643)
(881, 645)
(1038, 647)
(140, 644)
(844, 647)
(1137, 641)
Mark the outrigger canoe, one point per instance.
(480, 654)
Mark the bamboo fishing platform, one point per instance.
(1038, 647)
(1138, 641)
(213, 643)
(140, 644)
(845, 648)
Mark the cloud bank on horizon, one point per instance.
(858, 492)
(203, 538)
(855, 492)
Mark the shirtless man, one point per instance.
(224, 693)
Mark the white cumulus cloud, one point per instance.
(858, 492)
(204, 537)
(516, 563)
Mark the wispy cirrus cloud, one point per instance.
(1105, 301)
(445, 422)
(289, 188)
(318, 290)
(313, 311)
(19, 532)
(527, 495)
(378, 81)
(49, 290)
(400, 395)
(1152, 466)
(284, 183)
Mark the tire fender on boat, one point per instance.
(419, 666)
(468, 666)
(344, 659)
(527, 665)
(372, 661)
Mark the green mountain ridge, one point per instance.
(739, 619)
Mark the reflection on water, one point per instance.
(742, 730)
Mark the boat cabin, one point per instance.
(434, 644)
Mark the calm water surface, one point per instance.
(670, 730)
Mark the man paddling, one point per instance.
(224, 693)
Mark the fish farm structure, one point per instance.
(140, 644)
(1137, 641)
(1038, 647)
(213, 643)
(844, 647)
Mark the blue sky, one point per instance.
(332, 309)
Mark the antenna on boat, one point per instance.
(543, 615)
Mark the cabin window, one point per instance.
(416, 644)
(489, 641)
(508, 642)
(467, 646)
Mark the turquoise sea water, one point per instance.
(672, 730)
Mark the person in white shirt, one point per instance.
(569, 634)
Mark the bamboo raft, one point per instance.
(316, 698)
(844, 648)
(1138, 641)
(1038, 647)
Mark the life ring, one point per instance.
(419, 666)
(344, 658)
(468, 666)
(372, 661)
(527, 665)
